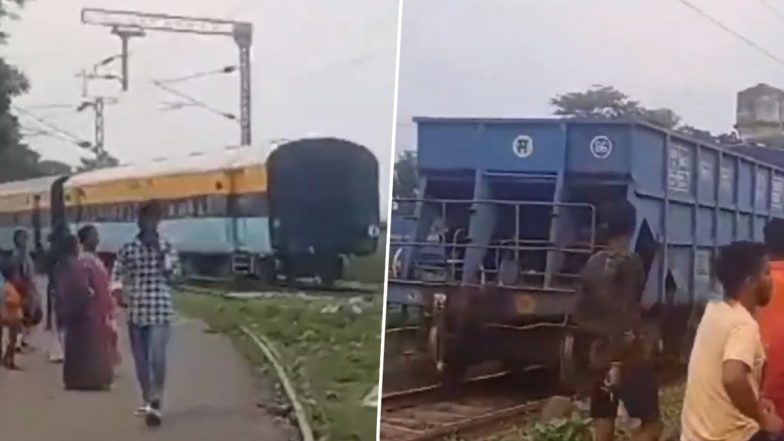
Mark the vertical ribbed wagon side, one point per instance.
(516, 207)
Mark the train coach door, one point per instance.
(235, 227)
(242, 262)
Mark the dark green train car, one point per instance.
(324, 205)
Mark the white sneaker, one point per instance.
(153, 418)
(143, 410)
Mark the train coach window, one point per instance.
(243, 205)
(217, 205)
(200, 206)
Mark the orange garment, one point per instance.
(11, 313)
(771, 323)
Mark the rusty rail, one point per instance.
(443, 419)
(428, 413)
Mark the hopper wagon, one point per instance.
(511, 209)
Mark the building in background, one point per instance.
(760, 115)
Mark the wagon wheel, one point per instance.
(450, 368)
(567, 366)
(578, 350)
(436, 335)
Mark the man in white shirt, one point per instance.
(722, 400)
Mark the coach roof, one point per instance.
(28, 186)
(226, 159)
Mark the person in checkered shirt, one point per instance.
(142, 275)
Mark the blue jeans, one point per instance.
(148, 344)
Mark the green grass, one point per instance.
(332, 358)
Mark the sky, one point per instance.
(318, 68)
(507, 58)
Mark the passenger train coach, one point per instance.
(300, 213)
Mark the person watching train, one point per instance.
(722, 399)
(771, 318)
(142, 274)
(10, 312)
(23, 261)
(608, 307)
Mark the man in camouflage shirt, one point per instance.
(608, 307)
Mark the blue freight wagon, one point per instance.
(512, 208)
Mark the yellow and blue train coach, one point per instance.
(299, 213)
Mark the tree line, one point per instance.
(17, 159)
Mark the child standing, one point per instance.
(11, 313)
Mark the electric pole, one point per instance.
(98, 104)
(125, 34)
(129, 24)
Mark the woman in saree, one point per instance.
(88, 361)
(99, 279)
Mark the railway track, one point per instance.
(247, 286)
(485, 404)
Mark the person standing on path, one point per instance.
(141, 277)
(51, 260)
(722, 399)
(611, 287)
(10, 312)
(771, 318)
(80, 310)
(23, 261)
(98, 278)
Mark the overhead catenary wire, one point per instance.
(772, 8)
(34, 132)
(732, 32)
(194, 101)
(79, 141)
(221, 71)
(358, 60)
(28, 132)
(49, 106)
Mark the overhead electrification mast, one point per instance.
(130, 24)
